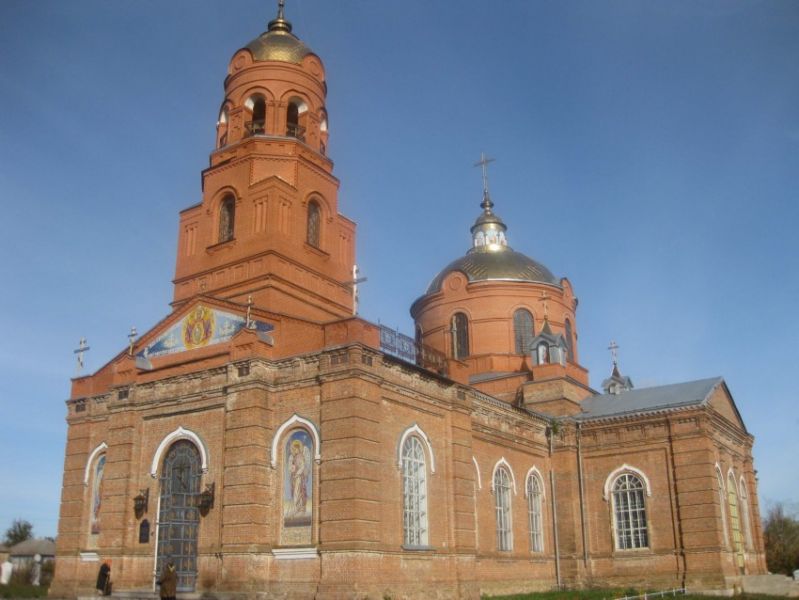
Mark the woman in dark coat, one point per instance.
(169, 582)
(103, 579)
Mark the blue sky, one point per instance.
(647, 151)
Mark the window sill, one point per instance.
(221, 246)
(418, 548)
(316, 250)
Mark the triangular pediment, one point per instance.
(721, 401)
(199, 324)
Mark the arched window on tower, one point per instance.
(221, 128)
(523, 330)
(314, 225)
(227, 219)
(502, 492)
(569, 341)
(460, 335)
(414, 493)
(293, 127)
(629, 512)
(258, 117)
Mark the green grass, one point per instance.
(16, 590)
(610, 595)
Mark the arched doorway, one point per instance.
(178, 516)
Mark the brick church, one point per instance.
(271, 443)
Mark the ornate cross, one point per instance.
(483, 162)
(544, 298)
(82, 347)
(131, 340)
(355, 281)
(613, 351)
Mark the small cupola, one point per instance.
(616, 383)
(548, 347)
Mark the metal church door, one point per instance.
(178, 516)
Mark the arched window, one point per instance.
(735, 522)
(179, 517)
(745, 515)
(97, 494)
(569, 341)
(293, 127)
(460, 335)
(523, 330)
(502, 497)
(227, 219)
(258, 117)
(314, 224)
(629, 512)
(722, 502)
(221, 128)
(414, 493)
(534, 492)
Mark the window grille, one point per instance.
(227, 218)
(314, 224)
(460, 335)
(735, 522)
(502, 489)
(629, 512)
(414, 495)
(523, 330)
(722, 502)
(745, 516)
(534, 513)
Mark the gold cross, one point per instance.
(613, 351)
(483, 162)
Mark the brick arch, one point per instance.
(101, 447)
(179, 434)
(417, 431)
(625, 468)
(503, 463)
(296, 420)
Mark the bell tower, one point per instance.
(268, 224)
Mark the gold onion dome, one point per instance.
(490, 258)
(278, 43)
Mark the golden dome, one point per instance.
(278, 43)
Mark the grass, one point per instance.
(18, 590)
(610, 595)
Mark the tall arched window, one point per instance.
(534, 492)
(460, 335)
(314, 224)
(502, 497)
(227, 219)
(97, 494)
(569, 341)
(259, 117)
(523, 330)
(178, 516)
(414, 493)
(722, 502)
(735, 522)
(629, 512)
(745, 515)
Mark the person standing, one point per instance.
(104, 579)
(168, 582)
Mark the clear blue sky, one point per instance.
(648, 151)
